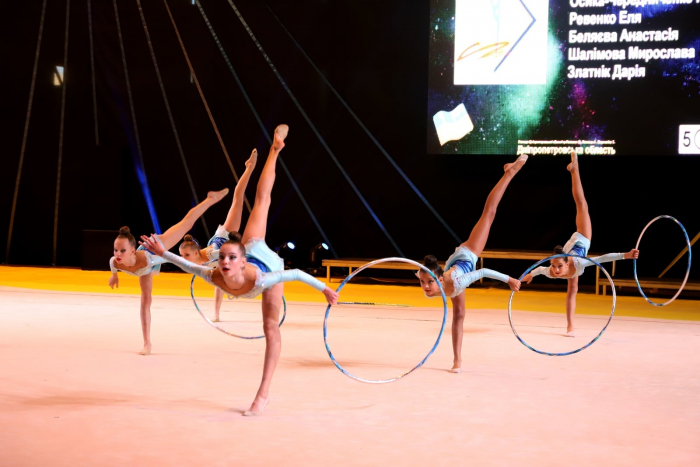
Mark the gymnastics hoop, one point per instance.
(687, 272)
(284, 315)
(563, 354)
(437, 341)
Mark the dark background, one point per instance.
(375, 53)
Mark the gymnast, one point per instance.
(189, 248)
(143, 263)
(578, 244)
(247, 267)
(459, 270)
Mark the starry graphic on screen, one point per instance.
(599, 77)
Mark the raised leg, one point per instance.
(480, 233)
(174, 234)
(458, 312)
(271, 304)
(571, 290)
(257, 222)
(146, 283)
(583, 219)
(233, 219)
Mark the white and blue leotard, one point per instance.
(269, 269)
(578, 245)
(153, 263)
(220, 237)
(463, 274)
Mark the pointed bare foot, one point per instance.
(573, 166)
(257, 407)
(282, 131)
(216, 196)
(280, 135)
(250, 163)
(517, 165)
(215, 320)
(146, 350)
(570, 334)
(455, 369)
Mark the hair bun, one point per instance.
(125, 231)
(188, 238)
(235, 236)
(430, 260)
(558, 250)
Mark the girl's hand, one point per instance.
(114, 281)
(331, 295)
(152, 244)
(514, 284)
(632, 254)
(528, 278)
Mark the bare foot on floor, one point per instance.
(146, 350)
(257, 407)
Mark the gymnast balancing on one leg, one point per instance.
(578, 244)
(459, 269)
(142, 263)
(189, 248)
(247, 267)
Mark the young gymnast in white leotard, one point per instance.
(459, 270)
(578, 244)
(143, 263)
(247, 267)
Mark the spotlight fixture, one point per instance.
(285, 252)
(317, 254)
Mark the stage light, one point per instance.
(285, 246)
(58, 76)
(317, 254)
(286, 252)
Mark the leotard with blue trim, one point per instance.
(263, 280)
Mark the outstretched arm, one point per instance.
(152, 244)
(607, 258)
(202, 271)
(542, 270)
(272, 278)
(632, 254)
